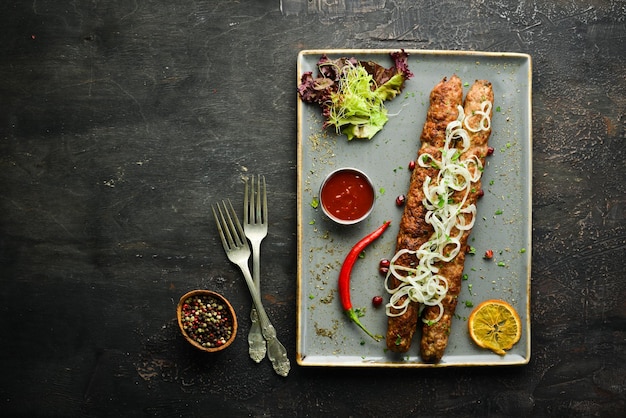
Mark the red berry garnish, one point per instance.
(490, 150)
(489, 254)
(480, 193)
(400, 200)
(411, 165)
(383, 266)
(377, 301)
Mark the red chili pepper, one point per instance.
(346, 271)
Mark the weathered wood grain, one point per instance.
(122, 121)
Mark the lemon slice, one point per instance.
(494, 324)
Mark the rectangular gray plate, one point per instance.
(325, 335)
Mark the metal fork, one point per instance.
(238, 252)
(255, 228)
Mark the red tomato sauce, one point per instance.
(347, 195)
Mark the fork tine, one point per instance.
(222, 226)
(263, 211)
(257, 200)
(235, 227)
(246, 209)
(219, 227)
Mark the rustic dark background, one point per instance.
(121, 121)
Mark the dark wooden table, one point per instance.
(122, 121)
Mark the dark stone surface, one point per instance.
(121, 121)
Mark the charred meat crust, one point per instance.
(435, 335)
(414, 231)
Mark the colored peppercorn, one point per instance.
(206, 321)
(488, 254)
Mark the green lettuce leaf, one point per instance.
(391, 88)
(352, 93)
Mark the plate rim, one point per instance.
(518, 360)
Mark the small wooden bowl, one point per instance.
(190, 326)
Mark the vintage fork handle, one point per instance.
(276, 352)
(256, 341)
